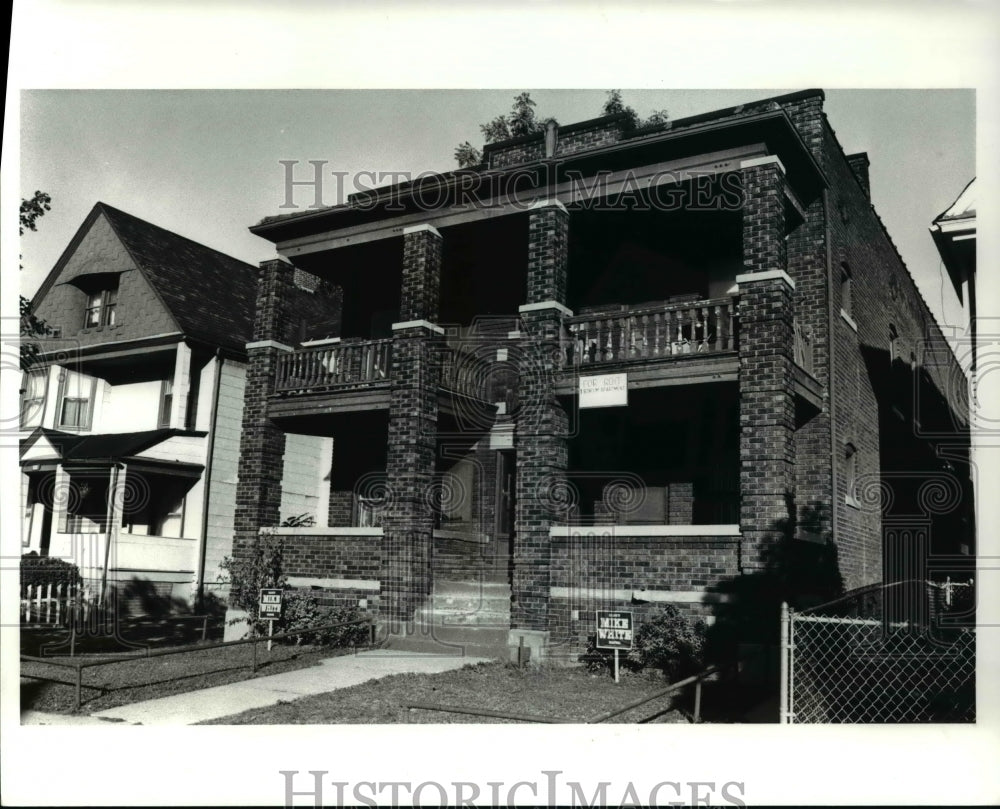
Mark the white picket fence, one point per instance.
(50, 604)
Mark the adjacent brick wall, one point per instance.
(593, 567)
(333, 557)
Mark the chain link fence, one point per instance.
(896, 653)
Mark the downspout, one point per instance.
(830, 388)
(203, 538)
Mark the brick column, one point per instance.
(262, 445)
(421, 294)
(412, 441)
(412, 446)
(542, 423)
(767, 403)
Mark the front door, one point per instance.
(504, 514)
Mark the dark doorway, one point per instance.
(504, 515)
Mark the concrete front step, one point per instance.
(434, 646)
(436, 616)
(455, 587)
(471, 641)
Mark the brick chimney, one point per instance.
(859, 165)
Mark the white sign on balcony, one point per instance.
(604, 390)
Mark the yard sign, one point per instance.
(270, 603)
(614, 631)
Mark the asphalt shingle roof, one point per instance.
(210, 295)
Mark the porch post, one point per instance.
(408, 524)
(542, 424)
(182, 386)
(262, 445)
(116, 503)
(767, 404)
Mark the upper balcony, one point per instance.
(355, 374)
(702, 335)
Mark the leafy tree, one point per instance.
(467, 155)
(32, 327)
(614, 104)
(33, 209)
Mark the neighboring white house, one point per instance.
(138, 393)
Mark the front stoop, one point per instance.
(462, 618)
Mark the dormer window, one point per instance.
(100, 291)
(101, 307)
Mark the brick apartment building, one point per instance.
(609, 367)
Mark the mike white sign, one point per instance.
(604, 390)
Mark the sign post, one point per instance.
(614, 632)
(269, 609)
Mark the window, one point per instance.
(845, 290)
(76, 398)
(102, 306)
(851, 474)
(166, 402)
(33, 397)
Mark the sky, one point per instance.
(205, 163)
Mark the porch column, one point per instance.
(262, 445)
(182, 386)
(116, 503)
(542, 424)
(767, 404)
(408, 523)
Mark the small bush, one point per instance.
(671, 642)
(667, 641)
(45, 570)
(302, 610)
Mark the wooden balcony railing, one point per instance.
(803, 347)
(319, 368)
(650, 332)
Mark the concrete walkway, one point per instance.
(226, 700)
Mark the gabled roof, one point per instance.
(210, 295)
(962, 208)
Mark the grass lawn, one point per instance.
(573, 694)
(51, 688)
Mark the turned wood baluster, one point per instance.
(645, 336)
(718, 327)
(704, 328)
(657, 336)
(609, 349)
(731, 325)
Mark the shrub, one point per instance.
(666, 640)
(669, 641)
(45, 570)
(262, 565)
(303, 610)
